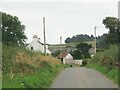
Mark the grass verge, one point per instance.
(43, 78)
(111, 74)
(106, 62)
(25, 69)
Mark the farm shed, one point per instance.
(66, 58)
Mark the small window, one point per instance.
(31, 48)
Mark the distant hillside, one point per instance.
(101, 40)
(79, 38)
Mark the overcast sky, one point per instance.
(63, 17)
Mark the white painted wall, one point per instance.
(68, 59)
(37, 46)
(63, 60)
(78, 62)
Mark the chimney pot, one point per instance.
(34, 36)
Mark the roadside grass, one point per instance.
(40, 79)
(0, 65)
(106, 62)
(25, 69)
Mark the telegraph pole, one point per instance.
(95, 37)
(44, 35)
(60, 40)
(60, 47)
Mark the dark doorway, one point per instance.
(31, 48)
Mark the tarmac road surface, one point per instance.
(81, 77)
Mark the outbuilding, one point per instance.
(65, 57)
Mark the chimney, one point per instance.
(35, 38)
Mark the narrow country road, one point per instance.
(81, 77)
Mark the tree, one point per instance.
(12, 30)
(76, 54)
(79, 38)
(68, 40)
(102, 42)
(92, 37)
(82, 51)
(113, 24)
(84, 48)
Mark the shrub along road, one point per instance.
(82, 78)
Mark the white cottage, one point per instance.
(37, 46)
(66, 58)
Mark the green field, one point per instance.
(67, 45)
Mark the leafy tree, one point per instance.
(113, 24)
(92, 37)
(84, 48)
(12, 30)
(76, 54)
(68, 40)
(82, 51)
(102, 42)
(73, 39)
(79, 38)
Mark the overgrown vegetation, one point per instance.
(25, 69)
(113, 24)
(81, 51)
(0, 65)
(107, 62)
(20, 67)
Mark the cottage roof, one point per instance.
(34, 36)
(62, 55)
(37, 39)
(40, 43)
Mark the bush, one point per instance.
(84, 62)
(107, 58)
